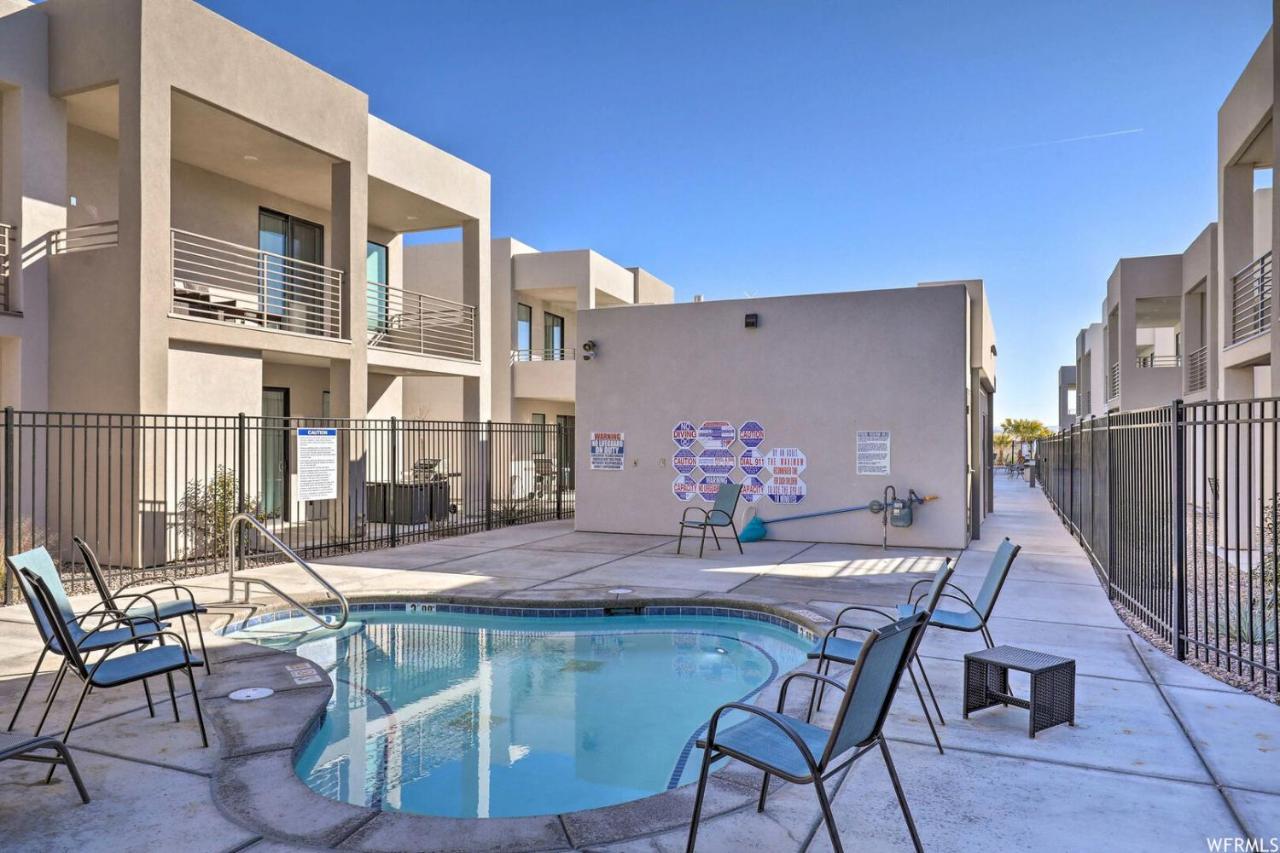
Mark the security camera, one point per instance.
(588, 350)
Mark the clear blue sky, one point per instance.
(791, 147)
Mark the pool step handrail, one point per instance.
(235, 557)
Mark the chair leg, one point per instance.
(734, 528)
(27, 689)
(65, 755)
(829, 818)
(53, 693)
(697, 801)
(173, 697)
(923, 707)
(716, 537)
(75, 712)
(195, 700)
(929, 687)
(703, 544)
(902, 797)
(204, 653)
(680, 539)
(151, 705)
(986, 637)
(764, 793)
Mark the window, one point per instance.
(539, 435)
(553, 336)
(524, 330)
(375, 273)
(285, 237)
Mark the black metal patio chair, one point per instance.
(720, 515)
(26, 747)
(118, 665)
(803, 753)
(178, 608)
(978, 609)
(833, 648)
(135, 629)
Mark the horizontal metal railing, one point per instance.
(85, 238)
(1146, 361)
(1113, 383)
(218, 280)
(1198, 369)
(562, 354)
(407, 321)
(1251, 300)
(6, 251)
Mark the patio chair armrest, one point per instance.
(773, 717)
(133, 598)
(186, 653)
(836, 629)
(685, 515)
(864, 608)
(728, 519)
(112, 624)
(804, 673)
(968, 604)
(176, 590)
(964, 595)
(164, 579)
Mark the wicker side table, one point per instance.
(1053, 684)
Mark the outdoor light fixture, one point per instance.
(588, 350)
(752, 321)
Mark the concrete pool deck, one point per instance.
(1162, 757)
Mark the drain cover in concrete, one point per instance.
(248, 694)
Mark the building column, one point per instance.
(477, 394)
(1235, 243)
(349, 380)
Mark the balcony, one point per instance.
(1146, 362)
(543, 374)
(1198, 369)
(228, 283)
(1113, 384)
(84, 238)
(407, 321)
(1251, 300)
(6, 249)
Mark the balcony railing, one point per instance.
(6, 250)
(406, 321)
(1113, 384)
(217, 280)
(84, 238)
(1251, 300)
(1198, 369)
(1084, 406)
(1152, 360)
(563, 354)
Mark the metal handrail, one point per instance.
(6, 249)
(1153, 360)
(246, 518)
(1113, 387)
(561, 354)
(1251, 300)
(408, 321)
(1197, 369)
(220, 280)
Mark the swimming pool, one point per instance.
(490, 712)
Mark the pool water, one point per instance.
(469, 715)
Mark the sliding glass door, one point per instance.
(292, 295)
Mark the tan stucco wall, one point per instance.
(206, 381)
(904, 364)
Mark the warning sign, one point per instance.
(607, 451)
(752, 489)
(716, 461)
(684, 461)
(785, 461)
(317, 464)
(717, 434)
(751, 461)
(684, 434)
(709, 486)
(684, 487)
(873, 452)
(751, 433)
(785, 489)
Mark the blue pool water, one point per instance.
(469, 715)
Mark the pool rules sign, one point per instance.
(317, 464)
(873, 452)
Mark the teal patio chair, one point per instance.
(117, 666)
(803, 753)
(833, 648)
(180, 607)
(977, 612)
(720, 515)
(138, 629)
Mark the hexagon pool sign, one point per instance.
(709, 485)
(785, 489)
(684, 461)
(717, 461)
(717, 435)
(684, 434)
(751, 433)
(684, 487)
(751, 461)
(752, 489)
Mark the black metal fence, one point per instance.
(154, 494)
(1177, 508)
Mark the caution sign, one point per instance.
(717, 461)
(684, 461)
(607, 451)
(317, 464)
(684, 487)
(873, 452)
